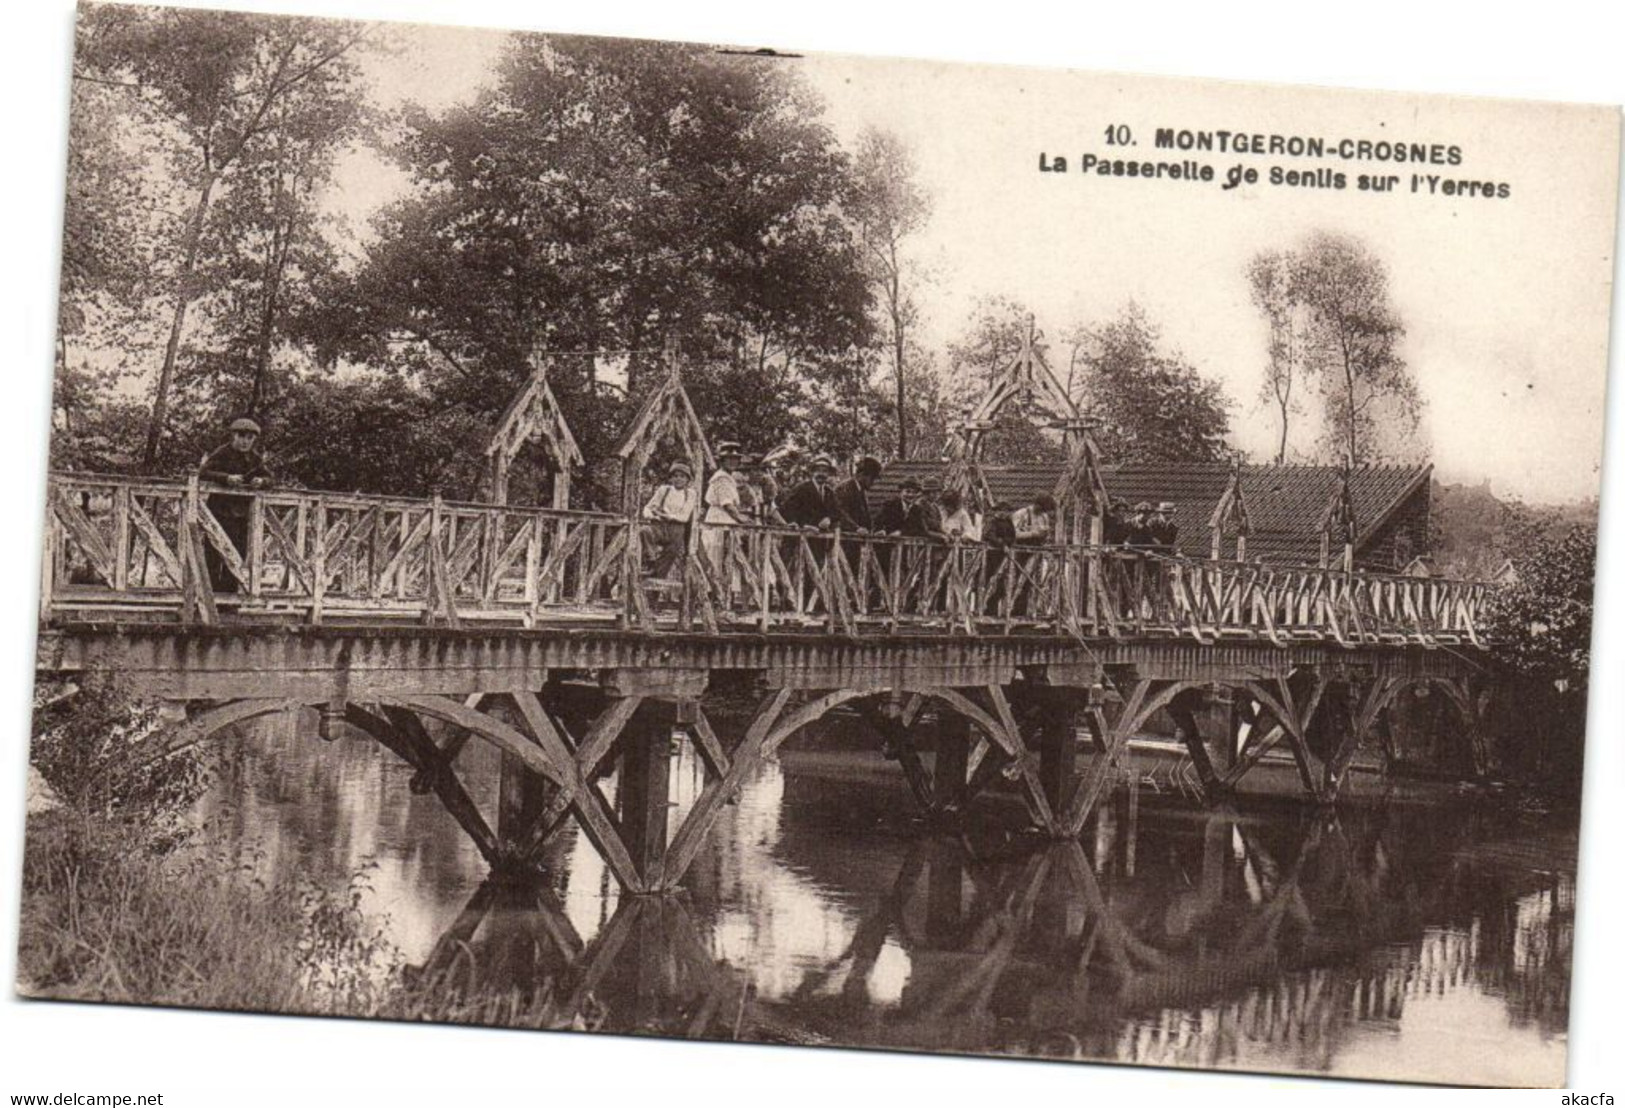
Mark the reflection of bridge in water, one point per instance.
(1286, 944)
(424, 625)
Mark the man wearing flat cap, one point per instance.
(237, 464)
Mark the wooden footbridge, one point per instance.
(384, 613)
(423, 623)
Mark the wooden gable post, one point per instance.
(533, 414)
(1337, 522)
(1081, 492)
(1029, 377)
(666, 414)
(965, 474)
(1231, 509)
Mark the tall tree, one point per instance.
(104, 240)
(890, 208)
(110, 230)
(1270, 276)
(1352, 341)
(1148, 404)
(224, 82)
(266, 258)
(611, 195)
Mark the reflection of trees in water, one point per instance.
(1368, 914)
(1529, 945)
(822, 915)
(646, 971)
(1236, 941)
(292, 805)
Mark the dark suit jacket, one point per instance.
(805, 505)
(854, 505)
(228, 461)
(920, 521)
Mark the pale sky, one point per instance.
(1505, 300)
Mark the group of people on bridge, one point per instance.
(743, 490)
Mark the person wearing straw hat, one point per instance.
(723, 507)
(813, 503)
(667, 515)
(1138, 534)
(238, 464)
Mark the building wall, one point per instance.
(1403, 537)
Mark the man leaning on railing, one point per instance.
(1034, 525)
(238, 464)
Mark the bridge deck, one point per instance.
(223, 661)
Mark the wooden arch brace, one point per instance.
(1140, 701)
(1293, 709)
(400, 730)
(997, 724)
(1471, 697)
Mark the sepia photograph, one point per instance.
(639, 537)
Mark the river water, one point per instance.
(1401, 941)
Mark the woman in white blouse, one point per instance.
(722, 506)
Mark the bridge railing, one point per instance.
(772, 577)
(117, 543)
(118, 546)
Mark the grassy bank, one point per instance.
(106, 918)
(125, 902)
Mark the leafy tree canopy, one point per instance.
(1149, 404)
(1540, 624)
(612, 195)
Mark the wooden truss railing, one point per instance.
(118, 546)
(116, 543)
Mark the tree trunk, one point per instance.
(183, 300)
(275, 264)
(1349, 413)
(894, 292)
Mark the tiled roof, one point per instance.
(1285, 503)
